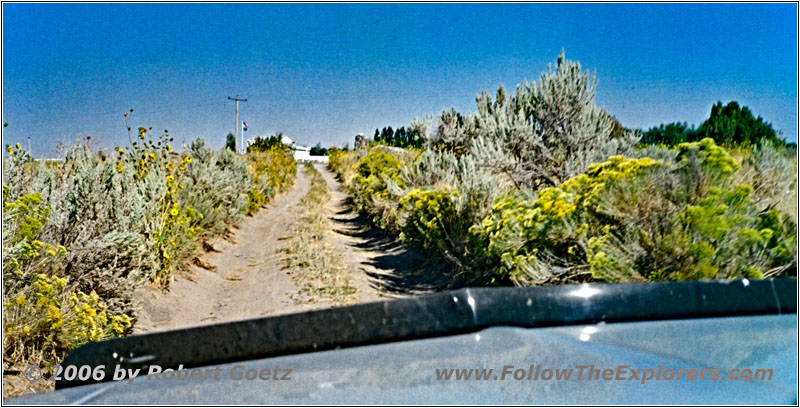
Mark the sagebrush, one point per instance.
(81, 233)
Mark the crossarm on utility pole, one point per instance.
(240, 148)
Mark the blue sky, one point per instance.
(324, 72)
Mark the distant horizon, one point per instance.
(321, 73)
(64, 143)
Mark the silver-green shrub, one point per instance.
(81, 233)
(440, 195)
(214, 187)
(543, 134)
(106, 212)
(772, 173)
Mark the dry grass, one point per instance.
(311, 257)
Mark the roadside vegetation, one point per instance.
(310, 256)
(539, 186)
(80, 234)
(542, 186)
(272, 170)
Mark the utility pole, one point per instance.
(236, 117)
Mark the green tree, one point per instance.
(670, 134)
(734, 125)
(389, 138)
(230, 142)
(318, 150)
(400, 137)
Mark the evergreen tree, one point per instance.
(734, 125)
(728, 125)
(230, 142)
(384, 134)
(400, 137)
(670, 134)
(318, 150)
(389, 136)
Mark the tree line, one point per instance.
(400, 137)
(727, 125)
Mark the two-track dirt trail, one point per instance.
(379, 262)
(248, 278)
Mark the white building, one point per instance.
(303, 153)
(287, 141)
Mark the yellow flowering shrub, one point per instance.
(368, 185)
(342, 162)
(272, 172)
(169, 231)
(43, 320)
(432, 221)
(520, 231)
(631, 219)
(518, 227)
(23, 253)
(79, 234)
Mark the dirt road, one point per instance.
(248, 278)
(380, 262)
